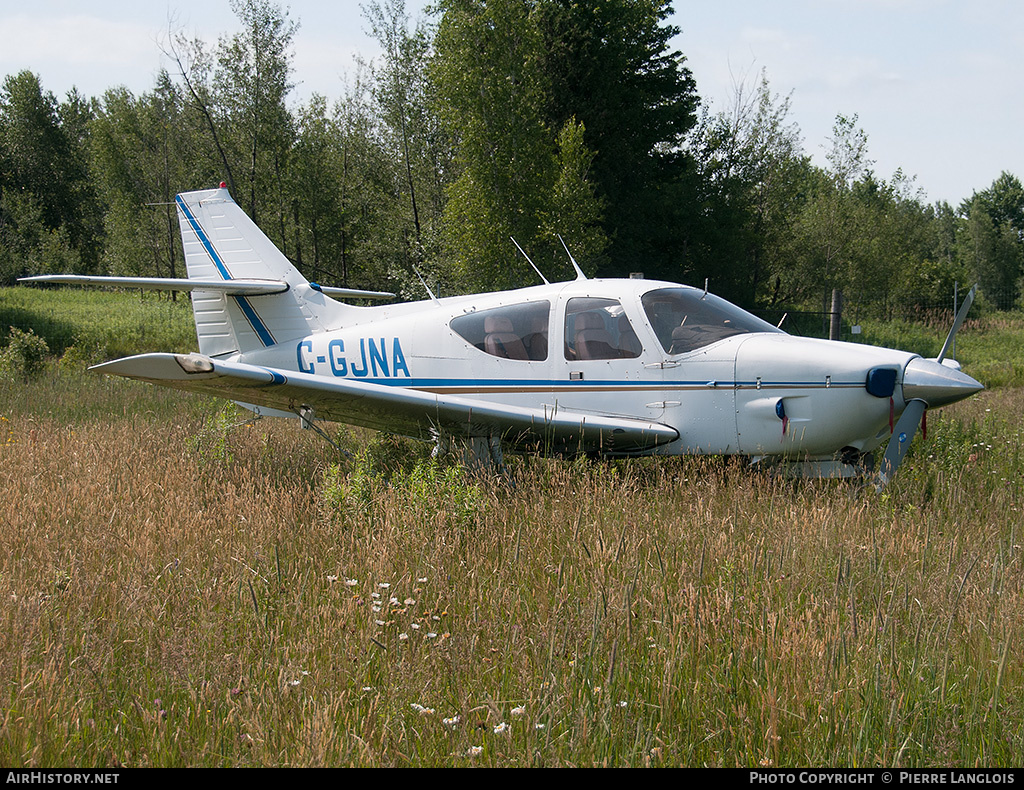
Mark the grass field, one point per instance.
(184, 588)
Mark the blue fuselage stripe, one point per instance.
(630, 384)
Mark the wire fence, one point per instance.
(866, 307)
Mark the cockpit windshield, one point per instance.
(685, 319)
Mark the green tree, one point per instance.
(317, 164)
(338, 169)
(609, 66)
(346, 192)
(411, 136)
(1004, 201)
(49, 217)
(825, 229)
(993, 252)
(993, 241)
(142, 158)
(236, 110)
(491, 94)
(574, 211)
(252, 79)
(751, 167)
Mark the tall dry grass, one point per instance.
(180, 588)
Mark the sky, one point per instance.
(936, 85)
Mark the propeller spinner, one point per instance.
(927, 383)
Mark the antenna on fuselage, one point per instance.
(425, 286)
(545, 279)
(579, 272)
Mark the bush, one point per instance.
(24, 356)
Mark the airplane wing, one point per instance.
(394, 409)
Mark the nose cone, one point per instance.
(935, 383)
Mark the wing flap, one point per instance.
(395, 409)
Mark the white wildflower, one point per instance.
(451, 721)
(474, 751)
(501, 729)
(519, 711)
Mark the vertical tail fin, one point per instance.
(246, 295)
(222, 243)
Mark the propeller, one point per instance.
(898, 445)
(960, 316)
(937, 384)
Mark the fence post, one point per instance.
(956, 288)
(835, 326)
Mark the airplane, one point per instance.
(603, 367)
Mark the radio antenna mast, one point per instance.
(579, 272)
(545, 279)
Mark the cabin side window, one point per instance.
(513, 332)
(599, 329)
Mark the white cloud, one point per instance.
(76, 40)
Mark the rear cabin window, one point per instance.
(685, 319)
(517, 331)
(599, 329)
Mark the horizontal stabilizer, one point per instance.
(228, 287)
(351, 293)
(232, 287)
(395, 409)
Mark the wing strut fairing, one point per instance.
(396, 409)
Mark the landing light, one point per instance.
(194, 363)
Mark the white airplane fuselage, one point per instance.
(723, 397)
